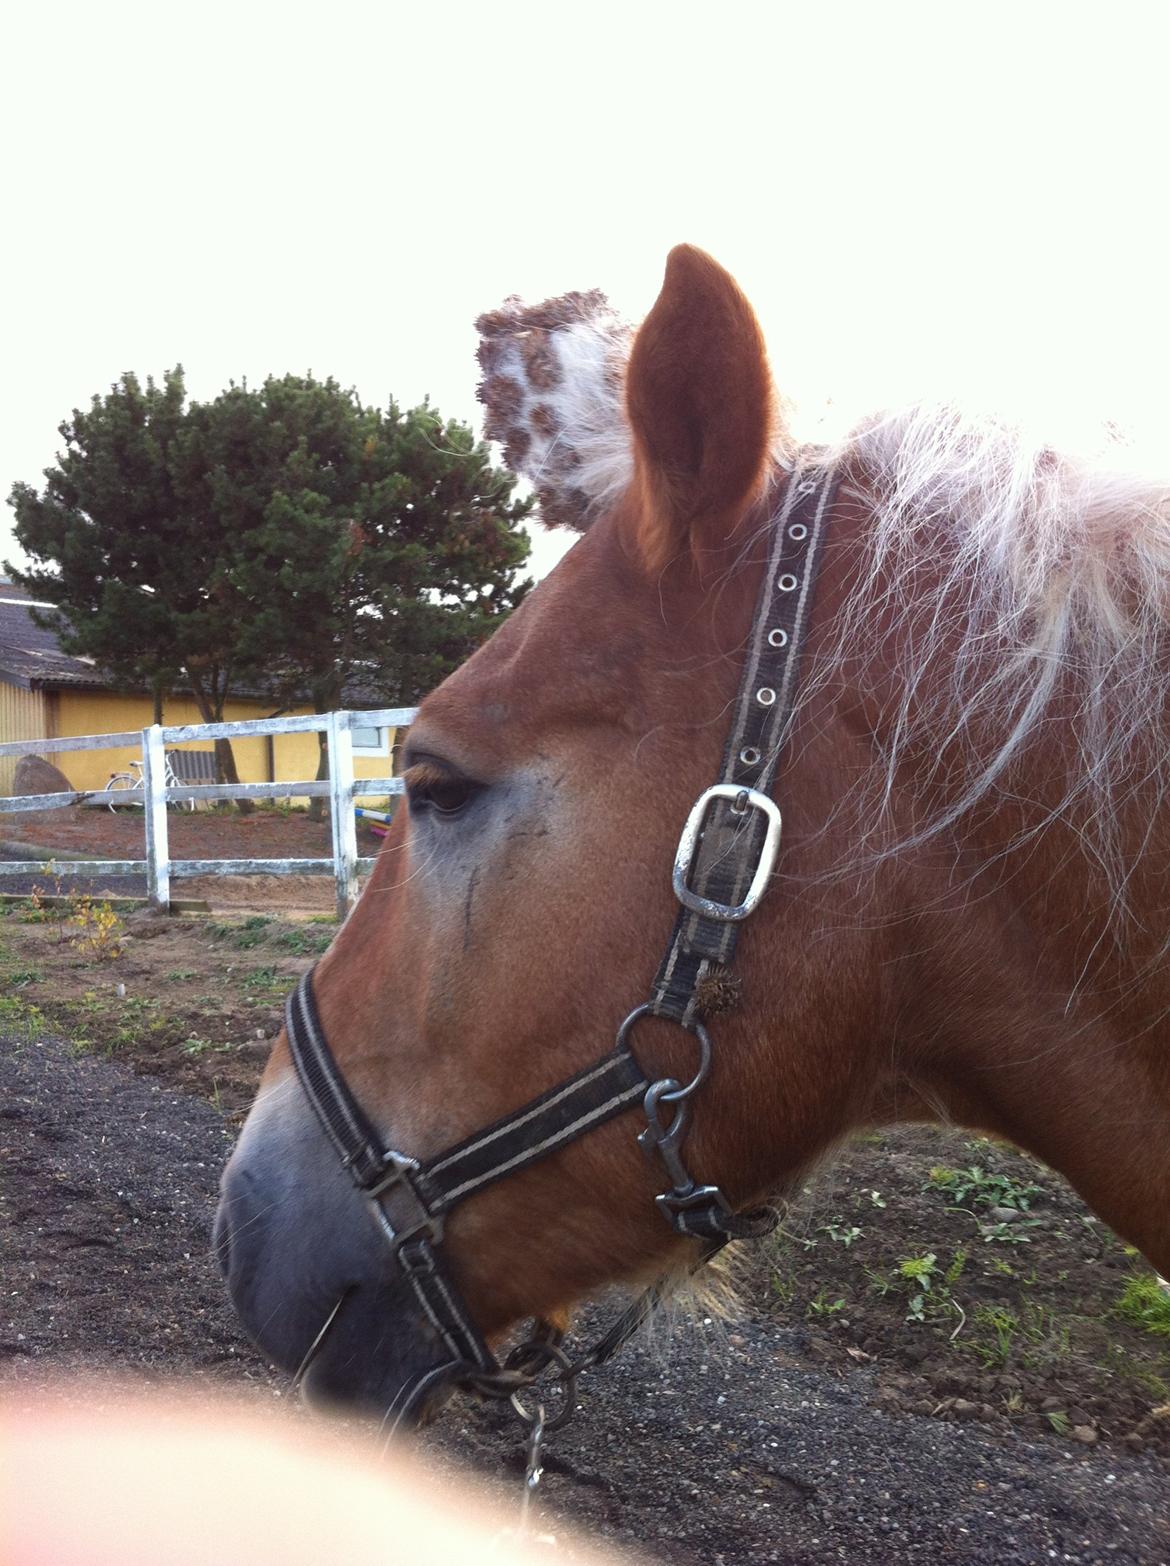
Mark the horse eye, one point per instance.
(433, 788)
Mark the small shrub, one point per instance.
(100, 929)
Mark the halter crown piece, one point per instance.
(725, 857)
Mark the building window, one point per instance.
(370, 742)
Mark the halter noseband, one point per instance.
(725, 858)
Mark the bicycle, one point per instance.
(133, 778)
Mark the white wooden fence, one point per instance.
(155, 795)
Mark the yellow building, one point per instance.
(47, 694)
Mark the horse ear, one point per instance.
(699, 398)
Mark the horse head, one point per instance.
(523, 899)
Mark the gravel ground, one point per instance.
(704, 1449)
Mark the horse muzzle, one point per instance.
(310, 1277)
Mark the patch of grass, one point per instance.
(265, 981)
(302, 942)
(783, 1287)
(1146, 1304)
(20, 978)
(20, 1016)
(180, 975)
(243, 934)
(1000, 1327)
(1121, 1362)
(1035, 1336)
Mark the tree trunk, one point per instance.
(225, 760)
(326, 696)
(225, 766)
(317, 806)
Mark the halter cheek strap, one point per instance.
(724, 862)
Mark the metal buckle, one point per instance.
(688, 845)
(674, 1205)
(401, 1173)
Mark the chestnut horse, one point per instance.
(967, 919)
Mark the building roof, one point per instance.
(32, 657)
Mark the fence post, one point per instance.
(345, 853)
(154, 811)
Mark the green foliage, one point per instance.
(955, 1271)
(976, 1187)
(266, 981)
(302, 942)
(822, 1305)
(282, 537)
(841, 1232)
(1144, 1302)
(917, 1272)
(243, 934)
(20, 1016)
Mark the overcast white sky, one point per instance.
(912, 194)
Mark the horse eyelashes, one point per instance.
(430, 787)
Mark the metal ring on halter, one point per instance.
(551, 1354)
(699, 1032)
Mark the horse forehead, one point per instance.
(571, 646)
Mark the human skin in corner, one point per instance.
(94, 1476)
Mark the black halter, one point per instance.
(724, 861)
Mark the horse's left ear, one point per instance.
(699, 398)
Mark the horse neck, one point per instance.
(1036, 984)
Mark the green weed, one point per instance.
(975, 1187)
(783, 1287)
(822, 1305)
(955, 1271)
(1146, 1304)
(918, 1272)
(840, 1233)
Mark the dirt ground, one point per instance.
(942, 1357)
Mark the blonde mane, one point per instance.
(1040, 580)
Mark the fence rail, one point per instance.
(155, 794)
